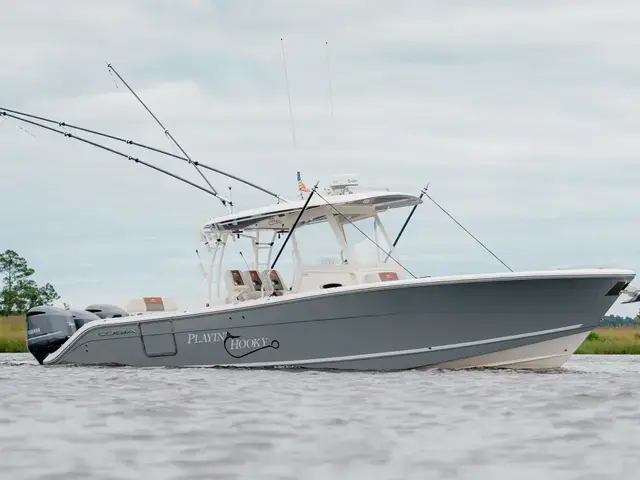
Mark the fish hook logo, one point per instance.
(275, 344)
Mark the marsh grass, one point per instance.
(13, 334)
(612, 341)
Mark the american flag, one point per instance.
(301, 186)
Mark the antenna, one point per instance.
(329, 77)
(286, 80)
(293, 130)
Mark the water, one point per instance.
(122, 423)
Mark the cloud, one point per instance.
(522, 116)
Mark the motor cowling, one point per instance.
(105, 310)
(82, 317)
(47, 329)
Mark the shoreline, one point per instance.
(623, 340)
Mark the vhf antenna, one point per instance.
(286, 80)
(329, 77)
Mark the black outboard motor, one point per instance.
(47, 329)
(107, 311)
(82, 317)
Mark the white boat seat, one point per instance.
(254, 278)
(237, 288)
(273, 282)
(254, 283)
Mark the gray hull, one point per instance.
(392, 326)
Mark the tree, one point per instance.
(618, 321)
(19, 292)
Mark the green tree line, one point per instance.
(618, 321)
(19, 291)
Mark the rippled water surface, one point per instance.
(110, 423)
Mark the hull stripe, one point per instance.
(397, 353)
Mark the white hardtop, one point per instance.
(280, 216)
(342, 203)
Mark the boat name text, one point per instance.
(206, 337)
(232, 343)
(240, 343)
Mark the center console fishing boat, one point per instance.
(346, 315)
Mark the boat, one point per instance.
(347, 314)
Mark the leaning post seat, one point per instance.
(253, 280)
(273, 279)
(254, 283)
(236, 285)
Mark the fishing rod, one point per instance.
(224, 201)
(293, 227)
(141, 145)
(108, 149)
(406, 222)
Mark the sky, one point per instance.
(521, 116)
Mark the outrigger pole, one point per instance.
(108, 149)
(224, 200)
(6, 112)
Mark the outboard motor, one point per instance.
(47, 329)
(82, 317)
(107, 311)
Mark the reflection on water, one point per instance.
(581, 422)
